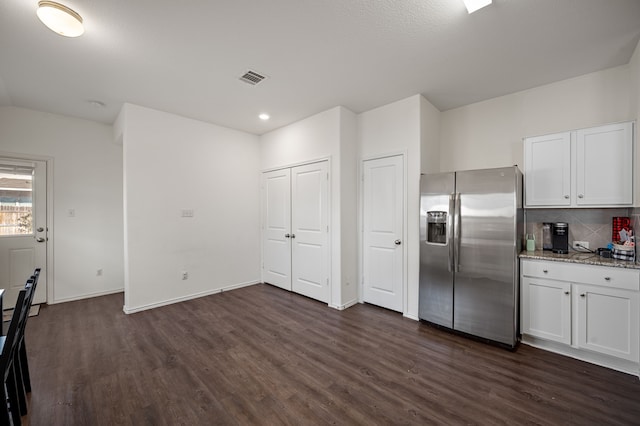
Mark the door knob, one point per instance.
(40, 229)
(40, 240)
(397, 242)
(293, 235)
(287, 235)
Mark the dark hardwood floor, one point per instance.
(261, 355)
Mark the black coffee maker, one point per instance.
(560, 237)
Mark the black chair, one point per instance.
(10, 407)
(30, 287)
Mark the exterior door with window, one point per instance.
(23, 227)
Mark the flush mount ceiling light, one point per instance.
(60, 19)
(264, 117)
(473, 5)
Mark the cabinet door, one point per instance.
(546, 309)
(604, 165)
(548, 170)
(608, 321)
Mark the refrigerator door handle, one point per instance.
(456, 233)
(452, 208)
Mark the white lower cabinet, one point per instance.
(547, 313)
(607, 321)
(589, 312)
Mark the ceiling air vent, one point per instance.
(252, 77)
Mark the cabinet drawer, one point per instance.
(628, 279)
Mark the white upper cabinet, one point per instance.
(548, 170)
(583, 168)
(605, 165)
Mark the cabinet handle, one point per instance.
(566, 197)
(545, 271)
(566, 292)
(582, 295)
(580, 196)
(607, 278)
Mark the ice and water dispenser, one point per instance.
(437, 227)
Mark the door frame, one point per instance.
(330, 237)
(50, 233)
(405, 218)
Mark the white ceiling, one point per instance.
(185, 57)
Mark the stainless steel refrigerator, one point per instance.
(471, 230)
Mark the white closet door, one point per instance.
(276, 220)
(383, 257)
(309, 226)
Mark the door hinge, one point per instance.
(327, 228)
(327, 175)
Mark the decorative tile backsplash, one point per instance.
(592, 225)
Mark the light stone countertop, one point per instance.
(576, 257)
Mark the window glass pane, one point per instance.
(16, 203)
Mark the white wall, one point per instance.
(329, 134)
(398, 128)
(430, 118)
(173, 163)
(348, 207)
(87, 177)
(490, 133)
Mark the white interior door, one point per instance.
(23, 227)
(309, 230)
(383, 224)
(276, 222)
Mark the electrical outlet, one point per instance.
(580, 245)
(185, 275)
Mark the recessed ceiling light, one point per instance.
(96, 104)
(264, 117)
(60, 19)
(473, 5)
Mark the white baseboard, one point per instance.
(411, 316)
(132, 310)
(344, 306)
(85, 296)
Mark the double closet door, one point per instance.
(295, 229)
